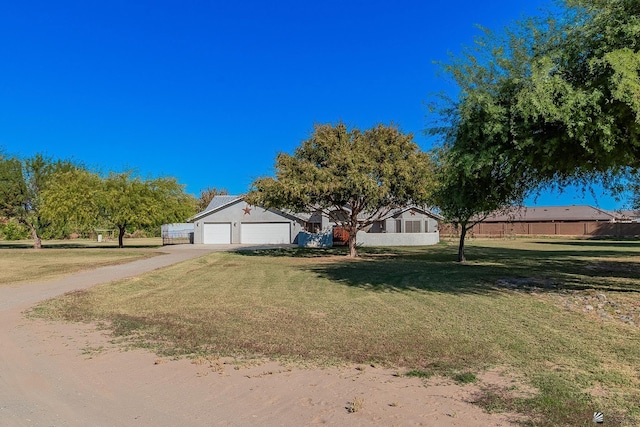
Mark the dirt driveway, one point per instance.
(62, 374)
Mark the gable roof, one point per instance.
(220, 202)
(552, 213)
(217, 203)
(424, 210)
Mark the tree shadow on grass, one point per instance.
(293, 252)
(433, 269)
(598, 243)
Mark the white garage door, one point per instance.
(217, 233)
(265, 233)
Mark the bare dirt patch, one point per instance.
(125, 386)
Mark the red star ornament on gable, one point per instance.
(412, 212)
(247, 210)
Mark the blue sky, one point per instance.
(210, 91)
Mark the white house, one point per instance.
(229, 219)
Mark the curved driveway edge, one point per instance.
(27, 294)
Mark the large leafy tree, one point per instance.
(478, 165)
(122, 200)
(578, 91)
(72, 201)
(22, 183)
(127, 201)
(353, 177)
(551, 102)
(555, 99)
(172, 203)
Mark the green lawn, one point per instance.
(20, 263)
(565, 329)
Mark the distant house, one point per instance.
(229, 219)
(573, 220)
(625, 215)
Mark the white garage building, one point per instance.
(229, 219)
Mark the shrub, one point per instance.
(13, 230)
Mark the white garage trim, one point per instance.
(217, 233)
(265, 232)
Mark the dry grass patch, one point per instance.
(28, 265)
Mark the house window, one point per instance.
(313, 227)
(412, 226)
(398, 226)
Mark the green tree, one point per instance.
(561, 93)
(353, 177)
(578, 91)
(175, 204)
(120, 199)
(554, 101)
(468, 191)
(207, 195)
(479, 169)
(72, 200)
(22, 183)
(129, 201)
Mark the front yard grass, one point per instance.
(20, 263)
(558, 314)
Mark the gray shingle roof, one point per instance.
(216, 203)
(219, 201)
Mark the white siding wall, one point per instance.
(235, 215)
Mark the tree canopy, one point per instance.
(353, 177)
(559, 95)
(554, 100)
(119, 199)
(468, 191)
(22, 183)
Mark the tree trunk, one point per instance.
(121, 230)
(37, 241)
(352, 245)
(463, 234)
(353, 234)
